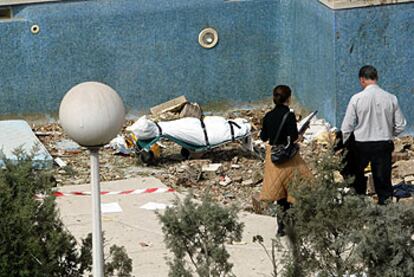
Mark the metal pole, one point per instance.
(97, 247)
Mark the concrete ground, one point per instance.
(140, 232)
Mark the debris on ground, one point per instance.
(191, 110)
(229, 173)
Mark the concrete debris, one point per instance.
(405, 168)
(191, 110)
(169, 106)
(211, 167)
(225, 181)
(409, 179)
(318, 129)
(247, 183)
(60, 162)
(68, 146)
(227, 172)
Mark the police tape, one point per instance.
(123, 192)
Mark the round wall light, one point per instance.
(35, 29)
(208, 38)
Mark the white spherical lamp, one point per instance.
(92, 113)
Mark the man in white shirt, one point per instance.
(374, 116)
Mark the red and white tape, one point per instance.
(124, 192)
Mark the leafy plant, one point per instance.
(337, 233)
(33, 239)
(386, 243)
(197, 232)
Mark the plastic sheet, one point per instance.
(190, 130)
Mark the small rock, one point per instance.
(237, 179)
(235, 166)
(409, 179)
(257, 176)
(145, 244)
(248, 182)
(225, 181)
(211, 167)
(405, 168)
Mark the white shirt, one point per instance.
(373, 115)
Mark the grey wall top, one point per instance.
(346, 4)
(20, 2)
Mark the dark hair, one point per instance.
(281, 94)
(368, 72)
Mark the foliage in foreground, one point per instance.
(33, 239)
(334, 232)
(196, 234)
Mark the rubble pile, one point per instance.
(230, 173)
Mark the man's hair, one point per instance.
(368, 72)
(281, 94)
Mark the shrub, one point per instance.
(197, 232)
(34, 241)
(334, 232)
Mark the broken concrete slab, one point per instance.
(191, 110)
(172, 105)
(405, 168)
(213, 167)
(17, 134)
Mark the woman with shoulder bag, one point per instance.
(283, 160)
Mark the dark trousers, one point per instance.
(379, 153)
(284, 206)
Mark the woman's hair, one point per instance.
(281, 94)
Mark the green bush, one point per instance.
(326, 218)
(386, 243)
(33, 239)
(197, 232)
(333, 232)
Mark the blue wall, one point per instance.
(148, 51)
(384, 37)
(307, 62)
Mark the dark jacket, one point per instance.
(272, 121)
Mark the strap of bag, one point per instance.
(159, 128)
(203, 126)
(231, 123)
(280, 127)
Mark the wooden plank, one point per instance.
(172, 105)
(347, 4)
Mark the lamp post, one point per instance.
(92, 114)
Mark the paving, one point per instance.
(140, 232)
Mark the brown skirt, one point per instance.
(278, 177)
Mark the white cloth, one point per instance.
(190, 130)
(373, 115)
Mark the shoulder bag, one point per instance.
(282, 153)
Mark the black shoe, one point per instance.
(280, 232)
(280, 228)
